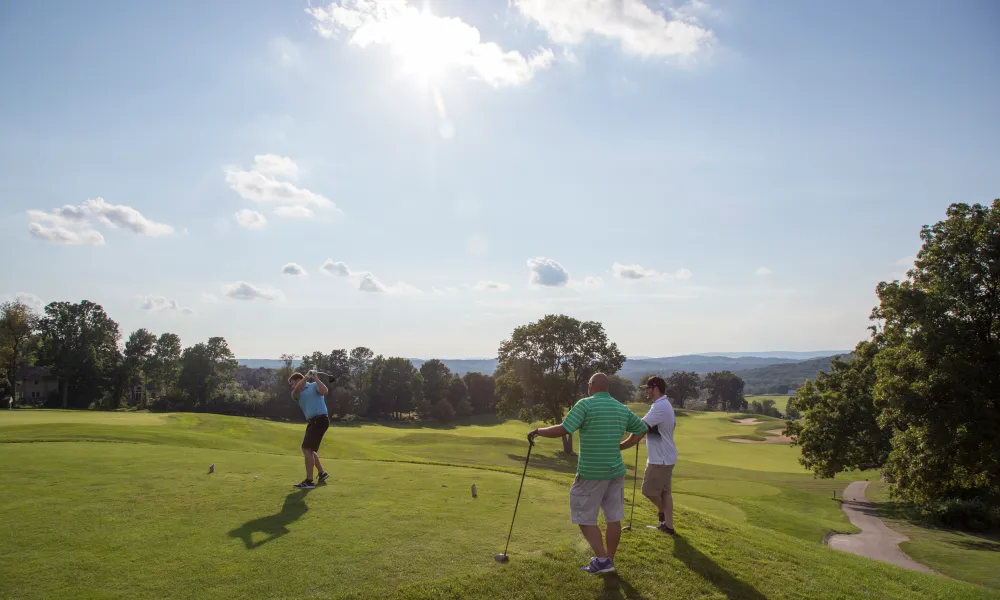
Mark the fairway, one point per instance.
(133, 513)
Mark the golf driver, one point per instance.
(502, 558)
(635, 479)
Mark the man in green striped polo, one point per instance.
(600, 470)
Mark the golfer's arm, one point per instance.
(630, 441)
(551, 432)
(298, 388)
(323, 390)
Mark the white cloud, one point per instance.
(764, 271)
(262, 185)
(279, 166)
(367, 282)
(210, 298)
(633, 272)
(293, 269)
(427, 45)
(338, 268)
(32, 301)
(547, 272)
(162, 304)
(490, 286)
(636, 27)
(638, 272)
(298, 212)
(74, 225)
(250, 219)
(242, 290)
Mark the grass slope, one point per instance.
(134, 514)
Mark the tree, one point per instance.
(206, 368)
(138, 350)
(164, 366)
(358, 363)
(391, 387)
(443, 411)
(482, 393)
(436, 380)
(18, 326)
(682, 386)
(925, 387)
(839, 430)
(458, 397)
(725, 390)
(79, 344)
(621, 389)
(336, 364)
(551, 361)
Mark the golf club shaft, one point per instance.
(635, 480)
(523, 473)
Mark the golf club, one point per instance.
(502, 558)
(635, 480)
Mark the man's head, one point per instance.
(598, 383)
(294, 379)
(655, 387)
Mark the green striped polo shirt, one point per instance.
(602, 421)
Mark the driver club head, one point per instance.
(627, 528)
(500, 558)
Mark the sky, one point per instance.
(423, 177)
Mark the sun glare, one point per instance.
(428, 46)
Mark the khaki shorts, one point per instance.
(588, 496)
(656, 479)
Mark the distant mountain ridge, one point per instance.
(771, 370)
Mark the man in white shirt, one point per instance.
(661, 453)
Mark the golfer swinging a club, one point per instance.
(310, 396)
(600, 470)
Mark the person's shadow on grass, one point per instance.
(616, 588)
(275, 525)
(732, 587)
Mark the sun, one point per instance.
(428, 47)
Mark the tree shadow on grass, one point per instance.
(561, 462)
(616, 588)
(981, 545)
(275, 525)
(724, 581)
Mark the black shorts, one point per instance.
(315, 429)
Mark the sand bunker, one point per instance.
(750, 421)
(773, 437)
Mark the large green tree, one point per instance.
(928, 405)
(482, 393)
(18, 327)
(79, 344)
(725, 391)
(436, 378)
(138, 350)
(206, 368)
(163, 367)
(545, 365)
(682, 386)
(391, 387)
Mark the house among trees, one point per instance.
(34, 384)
